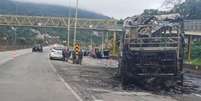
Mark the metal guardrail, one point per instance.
(192, 25)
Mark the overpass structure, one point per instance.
(59, 22)
(192, 27)
(106, 25)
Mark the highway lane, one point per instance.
(30, 77)
(9, 55)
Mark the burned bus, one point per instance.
(151, 50)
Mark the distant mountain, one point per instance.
(32, 9)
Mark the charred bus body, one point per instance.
(152, 51)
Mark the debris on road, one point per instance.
(102, 83)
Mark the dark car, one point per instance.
(37, 48)
(86, 52)
(105, 54)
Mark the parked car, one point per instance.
(105, 54)
(56, 53)
(37, 48)
(95, 53)
(85, 52)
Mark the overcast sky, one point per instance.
(113, 8)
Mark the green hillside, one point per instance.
(25, 36)
(21, 8)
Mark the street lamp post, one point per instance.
(69, 21)
(13, 28)
(102, 47)
(15, 34)
(76, 15)
(90, 26)
(68, 32)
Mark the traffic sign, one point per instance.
(77, 48)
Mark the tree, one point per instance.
(190, 9)
(169, 4)
(150, 12)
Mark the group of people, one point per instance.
(66, 54)
(77, 58)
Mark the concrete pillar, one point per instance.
(114, 43)
(189, 48)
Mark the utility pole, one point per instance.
(69, 18)
(76, 14)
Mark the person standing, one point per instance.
(65, 54)
(80, 56)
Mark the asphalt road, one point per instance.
(95, 80)
(31, 77)
(9, 55)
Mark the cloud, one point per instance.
(112, 8)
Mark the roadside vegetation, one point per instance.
(196, 53)
(30, 36)
(189, 10)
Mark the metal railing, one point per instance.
(153, 43)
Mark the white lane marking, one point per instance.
(65, 83)
(133, 93)
(95, 99)
(198, 95)
(123, 92)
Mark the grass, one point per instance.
(196, 61)
(196, 53)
